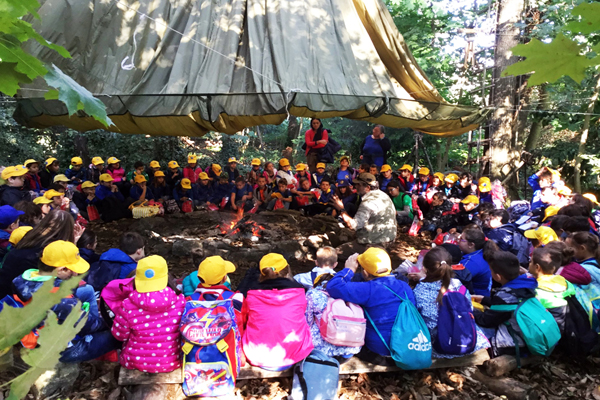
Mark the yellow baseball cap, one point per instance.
(173, 164)
(186, 183)
(151, 274)
(565, 191)
(140, 179)
(591, 197)
(159, 174)
(451, 178)
(50, 161)
(76, 161)
(213, 269)
(97, 160)
(106, 178)
(192, 159)
(470, 199)
(203, 176)
(154, 164)
(439, 175)
(342, 158)
(543, 234)
(88, 184)
(284, 162)
(232, 160)
(50, 194)
(64, 254)
(321, 165)
(17, 234)
(216, 169)
(273, 261)
(385, 168)
(424, 171)
(41, 200)
(60, 178)
(255, 161)
(113, 160)
(484, 184)
(375, 259)
(300, 167)
(550, 211)
(405, 167)
(30, 161)
(14, 171)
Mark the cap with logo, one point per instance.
(321, 165)
(385, 167)
(50, 161)
(213, 269)
(273, 261)
(343, 183)
(14, 171)
(470, 199)
(151, 274)
(50, 194)
(484, 184)
(543, 234)
(192, 159)
(76, 161)
(423, 171)
(60, 178)
(300, 167)
(88, 184)
(203, 176)
(342, 158)
(186, 183)
(159, 174)
(97, 160)
(451, 178)
(140, 178)
(173, 164)
(65, 254)
(113, 160)
(284, 162)
(216, 169)
(374, 260)
(30, 161)
(232, 160)
(255, 161)
(405, 167)
(106, 178)
(8, 215)
(154, 164)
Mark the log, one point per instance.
(504, 364)
(155, 391)
(135, 377)
(508, 387)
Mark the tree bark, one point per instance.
(584, 135)
(260, 137)
(81, 148)
(535, 132)
(293, 130)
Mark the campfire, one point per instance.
(242, 228)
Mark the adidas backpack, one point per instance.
(211, 347)
(456, 332)
(343, 324)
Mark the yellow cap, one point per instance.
(550, 211)
(213, 269)
(342, 158)
(284, 162)
(17, 234)
(203, 176)
(97, 160)
(385, 168)
(30, 161)
(60, 178)
(451, 178)
(375, 259)
(565, 191)
(255, 161)
(113, 160)
(151, 274)
(173, 164)
(64, 254)
(273, 261)
(232, 159)
(88, 184)
(424, 171)
(41, 200)
(300, 167)
(159, 174)
(440, 176)
(186, 183)
(484, 184)
(50, 194)
(321, 165)
(216, 169)
(106, 178)
(12, 172)
(154, 164)
(192, 159)
(405, 167)
(140, 179)
(591, 197)
(76, 161)
(543, 234)
(470, 199)
(50, 161)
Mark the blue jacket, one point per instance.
(220, 191)
(178, 194)
(160, 191)
(12, 195)
(89, 255)
(113, 264)
(502, 236)
(80, 176)
(381, 305)
(536, 199)
(203, 193)
(102, 192)
(136, 192)
(480, 271)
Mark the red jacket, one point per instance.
(310, 142)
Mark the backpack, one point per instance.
(211, 347)
(578, 338)
(517, 209)
(343, 324)
(456, 332)
(316, 377)
(520, 247)
(410, 344)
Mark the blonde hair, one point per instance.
(327, 257)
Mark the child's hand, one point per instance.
(352, 262)
(477, 297)
(234, 207)
(452, 231)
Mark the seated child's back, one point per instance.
(325, 264)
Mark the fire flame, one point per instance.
(251, 225)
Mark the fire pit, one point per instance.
(243, 228)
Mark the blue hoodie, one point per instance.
(113, 264)
(103, 192)
(480, 271)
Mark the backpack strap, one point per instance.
(313, 276)
(378, 333)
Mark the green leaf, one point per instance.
(51, 95)
(23, 31)
(76, 97)
(10, 79)
(590, 19)
(19, 8)
(11, 51)
(53, 339)
(549, 61)
(18, 322)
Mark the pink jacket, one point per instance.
(117, 174)
(148, 324)
(276, 333)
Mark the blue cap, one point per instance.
(343, 183)
(8, 215)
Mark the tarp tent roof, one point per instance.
(186, 67)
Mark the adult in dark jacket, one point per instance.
(374, 149)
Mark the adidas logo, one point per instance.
(420, 343)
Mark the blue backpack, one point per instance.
(410, 344)
(456, 332)
(316, 377)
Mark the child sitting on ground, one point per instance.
(152, 169)
(76, 173)
(281, 193)
(402, 203)
(14, 191)
(302, 173)
(214, 174)
(318, 176)
(325, 264)
(49, 172)
(348, 197)
(471, 244)
(231, 170)
(183, 193)
(569, 269)
(159, 188)
(116, 171)
(222, 191)
(140, 191)
(192, 281)
(203, 190)
(440, 217)
(148, 320)
(344, 171)
(385, 177)
(423, 182)
(32, 178)
(285, 172)
(322, 206)
(9, 221)
(271, 175)
(261, 194)
(173, 174)
(87, 246)
(304, 195)
(192, 170)
(138, 169)
(406, 179)
(374, 170)
(254, 173)
(241, 195)
(585, 247)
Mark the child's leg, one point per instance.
(286, 205)
(271, 205)
(90, 347)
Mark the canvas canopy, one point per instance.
(186, 67)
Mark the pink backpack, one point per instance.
(343, 324)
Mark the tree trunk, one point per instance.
(81, 148)
(260, 138)
(536, 127)
(584, 135)
(293, 130)
(503, 95)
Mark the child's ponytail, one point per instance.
(438, 265)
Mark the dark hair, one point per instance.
(394, 183)
(454, 252)
(223, 177)
(587, 239)
(558, 222)
(438, 263)
(138, 164)
(262, 176)
(45, 268)
(502, 214)
(489, 249)
(583, 202)
(240, 179)
(438, 196)
(545, 175)
(475, 236)
(56, 186)
(326, 180)
(303, 179)
(576, 224)
(282, 181)
(88, 237)
(131, 242)
(268, 274)
(32, 212)
(365, 166)
(374, 166)
(467, 175)
(155, 181)
(381, 128)
(57, 225)
(549, 260)
(573, 210)
(484, 210)
(505, 264)
(566, 252)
